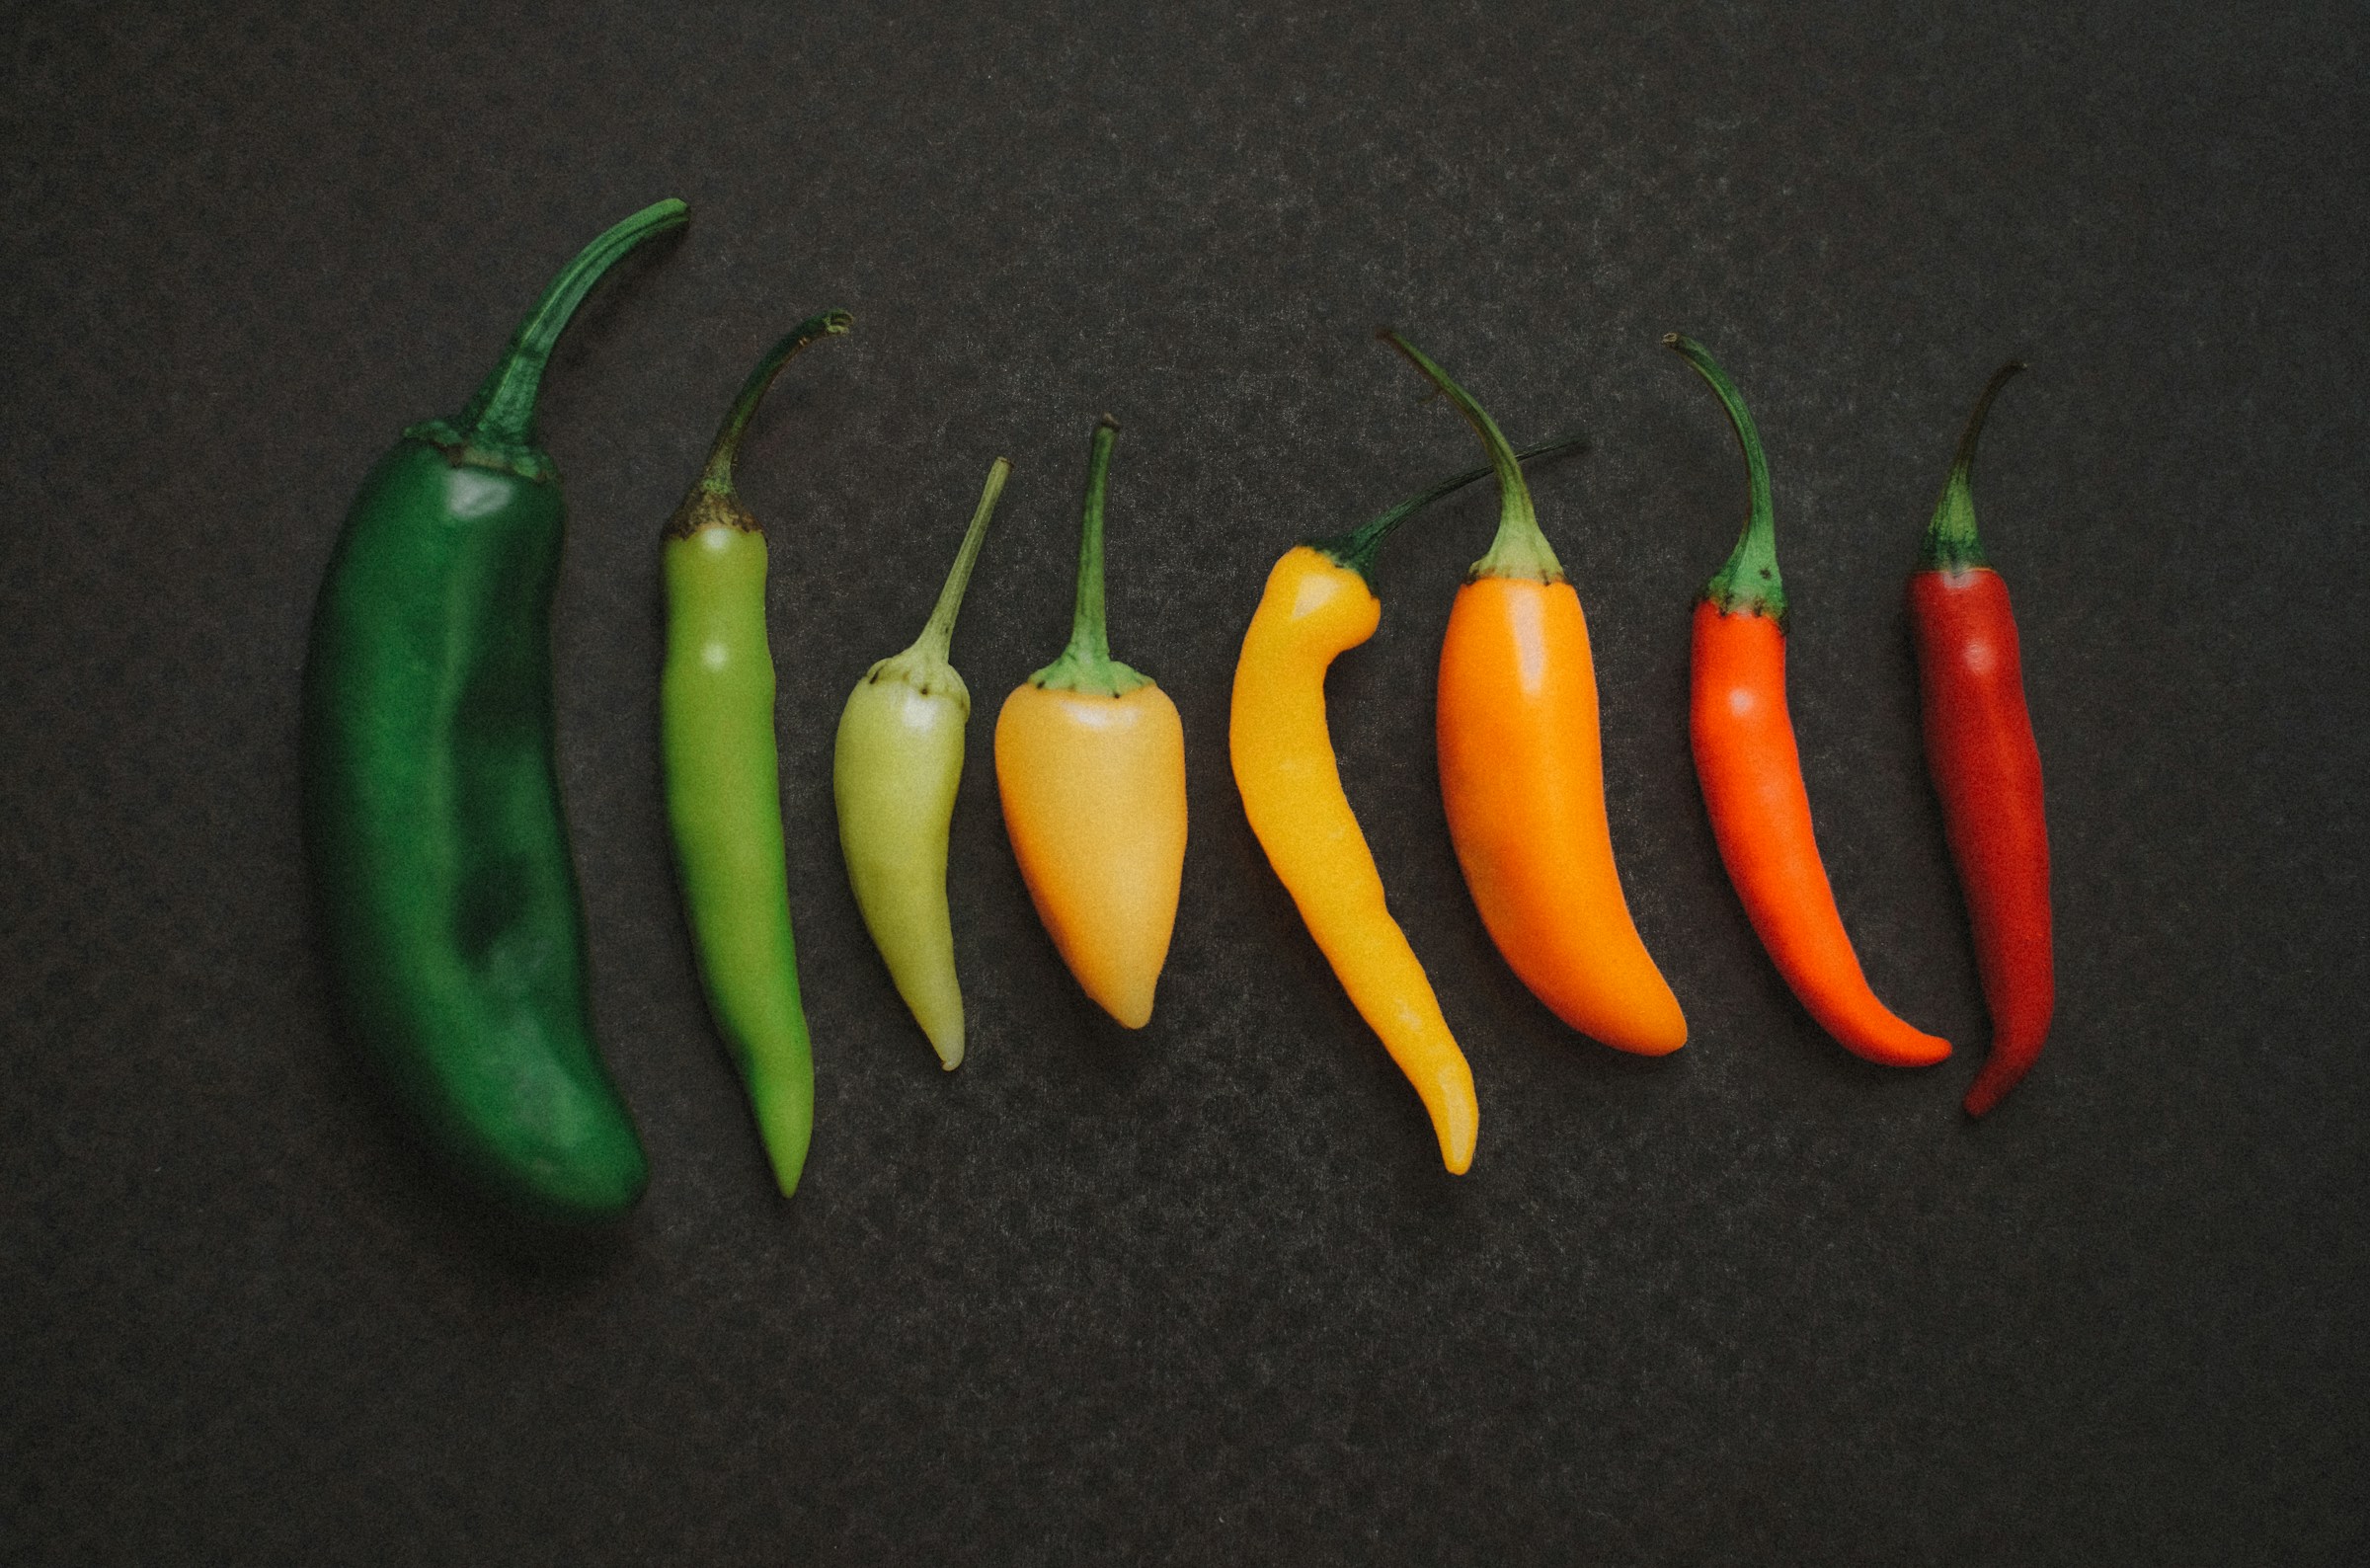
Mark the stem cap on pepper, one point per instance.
(1748, 582)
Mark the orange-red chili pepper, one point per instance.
(1986, 769)
(1752, 775)
(1521, 774)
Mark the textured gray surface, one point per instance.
(1203, 1295)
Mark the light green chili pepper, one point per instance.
(893, 773)
(723, 789)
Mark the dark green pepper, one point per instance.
(445, 894)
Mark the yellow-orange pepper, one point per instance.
(1320, 604)
(1091, 763)
(1522, 775)
(1314, 609)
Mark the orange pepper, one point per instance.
(1091, 763)
(1523, 777)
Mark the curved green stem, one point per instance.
(1086, 663)
(1358, 548)
(938, 637)
(717, 477)
(1748, 584)
(1519, 549)
(500, 422)
(1951, 542)
(712, 500)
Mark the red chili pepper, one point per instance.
(1986, 768)
(1752, 775)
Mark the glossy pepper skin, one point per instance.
(1986, 768)
(1752, 775)
(1320, 604)
(896, 766)
(446, 897)
(1522, 775)
(724, 803)
(1090, 763)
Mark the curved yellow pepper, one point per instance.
(1314, 609)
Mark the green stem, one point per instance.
(499, 424)
(1748, 584)
(1088, 629)
(1519, 549)
(1358, 548)
(1951, 542)
(938, 637)
(712, 500)
(1086, 663)
(716, 478)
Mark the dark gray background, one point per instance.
(1203, 1295)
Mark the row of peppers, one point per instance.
(453, 923)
